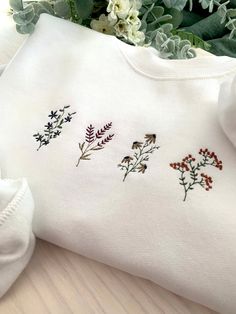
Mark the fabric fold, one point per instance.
(126, 158)
(17, 240)
(227, 109)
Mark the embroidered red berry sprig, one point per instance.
(94, 141)
(191, 173)
(142, 151)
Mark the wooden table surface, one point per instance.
(60, 282)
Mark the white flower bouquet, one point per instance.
(163, 24)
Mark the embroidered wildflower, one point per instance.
(137, 145)
(142, 151)
(207, 181)
(190, 175)
(54, 127)
(142, 168)
(150, 138)
(53, 114)
(127, 159)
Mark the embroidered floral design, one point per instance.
(54, 127)
(94, 141)
(142, 152)
(191, 173)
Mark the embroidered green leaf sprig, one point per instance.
(94, 140)
(191, 174)
(138, 161)
(53, 128)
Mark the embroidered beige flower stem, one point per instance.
(142, 151)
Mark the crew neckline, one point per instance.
(146, 61)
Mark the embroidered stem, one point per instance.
(136, 162)
(91, 137)
(139, 159)
(183, 183)
(187, 167)
(87, 150)
(54, 127)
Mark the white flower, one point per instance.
(136, 37)
(133, 19)
(102, 25)
(122, 28)
(118, 8)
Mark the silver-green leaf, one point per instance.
(62, 9)
(16, 5)
(84, 8)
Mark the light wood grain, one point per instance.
(60, 282)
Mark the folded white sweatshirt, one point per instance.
(227, 109)
(125, 156)
(16, 238)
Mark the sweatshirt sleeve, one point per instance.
(16, 238)
(227, 108)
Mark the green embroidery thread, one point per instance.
(142, 152)
(191, 174)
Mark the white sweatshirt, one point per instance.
(16, 237)
(125, 156)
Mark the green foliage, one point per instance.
(62, 9)
(170, 46)
(84, 8)
(161, 20)
(176, 17)
(195, 40)
(176, 4)
(16, 5)
(28, 16)
(25, 16)
(228, 16)
(153, 17)
(208, 4)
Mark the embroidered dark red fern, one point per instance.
(89, 134)
(106, 140)
(92, 139)
(103, 130)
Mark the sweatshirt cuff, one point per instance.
(17, 240)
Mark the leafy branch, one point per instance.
(195, 40)
(94, 141)
(142, 151)
(155, 23)
(54, 127)
(190, 171)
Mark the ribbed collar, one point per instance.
(147, 62)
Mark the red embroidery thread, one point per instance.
(191, 173)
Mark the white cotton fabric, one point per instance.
(2, 68)
(16, 238)
(141, 225)
(227, 109)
